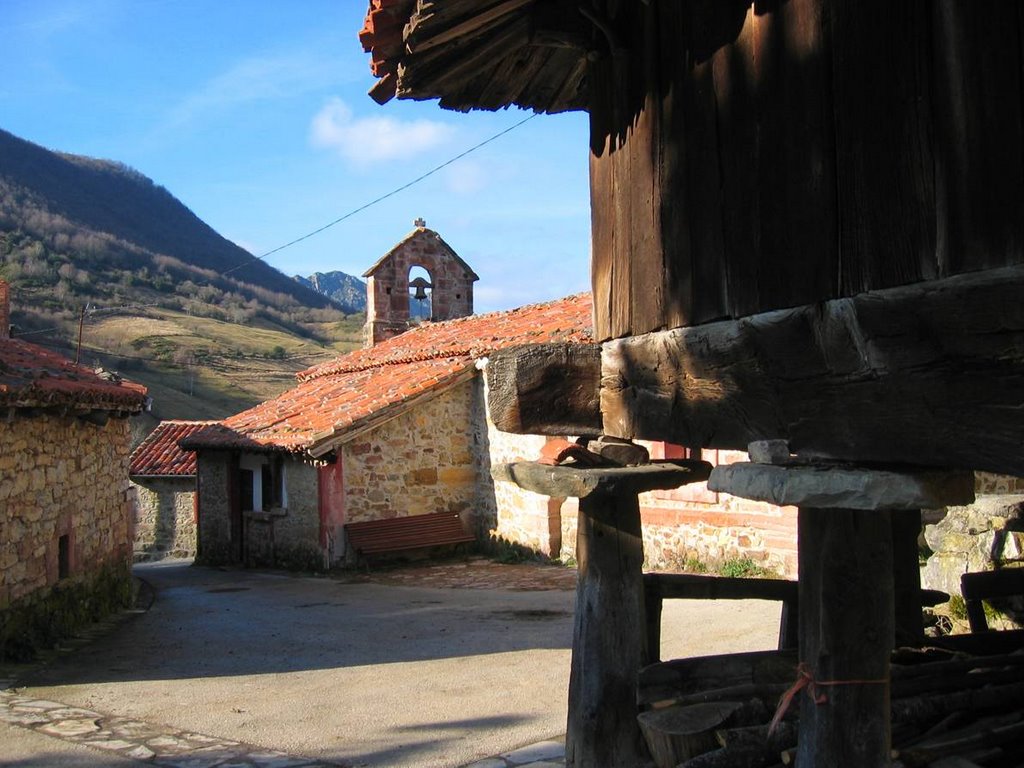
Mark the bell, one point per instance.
(421, 286)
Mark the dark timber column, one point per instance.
(854, 526)
(906, 576)
(606, 659)
(846, 635)
(608, 643)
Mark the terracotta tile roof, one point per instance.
(33, 377)
(359, 389)
(564, 320)
(159, 455)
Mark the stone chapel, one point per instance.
(398, 298)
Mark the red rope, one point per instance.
(805, 679)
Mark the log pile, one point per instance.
(949, 710)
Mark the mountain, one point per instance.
(346, 291)
(61, 211)
(157, 293)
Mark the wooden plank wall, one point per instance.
(753, 157)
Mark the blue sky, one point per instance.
(254, 113)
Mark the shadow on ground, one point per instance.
(208, 622)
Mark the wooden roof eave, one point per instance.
(514, 52)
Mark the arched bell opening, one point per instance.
(421, 290)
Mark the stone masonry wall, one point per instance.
(694, 524)
(288, 537)
(61, 477)
(417, 463)
(505, 513)
(213, 533)
(165, 518)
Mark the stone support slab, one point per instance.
(844, 487)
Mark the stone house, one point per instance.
(396, 429)
(402, 428)
(65, 519)
(163, 487)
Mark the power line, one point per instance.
(89, 312)
(383, 197)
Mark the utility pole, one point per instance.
(81, 323)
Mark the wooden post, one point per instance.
(848, 605)
(608, 646)
(906, 575)
(846, 637)
(652, 619)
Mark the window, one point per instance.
(63, 556)
(246, 489)
(262, 483)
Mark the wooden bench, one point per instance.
(400, 534)
(975, 587)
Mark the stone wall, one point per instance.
(65, 522)
(288, 537)
(506, 514)
(417, 463)
(165, 517)
(686, 527)
(213, 531)
(693, 523)
(977, 537)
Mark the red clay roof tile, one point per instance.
(352, 391)
(33, 377)
(159, 455)
(565, 320)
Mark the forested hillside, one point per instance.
(156, 291)
(78, 229)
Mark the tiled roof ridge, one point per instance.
(180, 422)
(311, 374)
(377, 356)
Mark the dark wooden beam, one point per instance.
(929, 374)
(545, 389)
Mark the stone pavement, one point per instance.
(171, 748)
(545, 754)
(141, 741)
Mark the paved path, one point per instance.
(235, 668)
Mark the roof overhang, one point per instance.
(489, 54)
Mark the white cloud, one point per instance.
(258, 78)
(364, 140)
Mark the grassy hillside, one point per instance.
(161, 297)
(198, 367)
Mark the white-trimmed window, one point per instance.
(262, 483)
